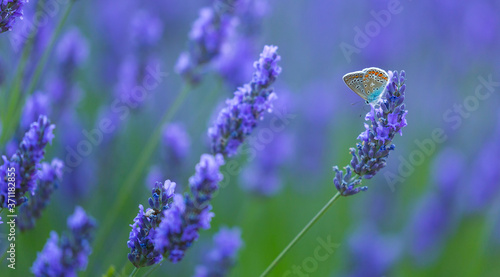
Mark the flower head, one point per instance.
(176, 140)
(9, 11)
(146, 30)
(241, 114)
(66, 255)
(262, 176)
(207, 35)
(222, 256)
(36, 105)
(234, 62)
(72, 50)
(430, 224)
(484, 182)
(180, 224)
(376, 252)
(49, 177)
(369, 156)
(26, 161)
(141, 238)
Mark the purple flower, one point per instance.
(48, 262)
(266, 68)
(483, 184)
(240, 116)
(9, 11)
(236, 54)
(132, 73)
(62, 92)
(49, 177)
(176, 141)
(206, 37)
(72, 50)
(180, 224)
(374, 253)
(434, 215)
(222, 256)
(69, 254)
(146, 30)
(448, 168)
(141, 238)
(382, 133)
(26, 161)
(36, 105)
(429, 227)
(262, 176)
(234, 62)
(250, 13)
(344, 184)
(376, 141)
(205, 181)
(80, 177)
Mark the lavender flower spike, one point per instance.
(49, 177)
(371, 154)
(142, 252)
(237, 120)
(222, 257)
(69, 254)
(25, 161)
(37, 104)
(9, 11)
(208, 34)
(180, 224)
(176, 141)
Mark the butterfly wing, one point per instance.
(354, 81)
(374, 79)
(374, 82)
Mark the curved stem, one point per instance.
(134, 272)
(300, 234)
(134, 174)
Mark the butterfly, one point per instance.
(369, 83)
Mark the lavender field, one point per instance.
(249, 138)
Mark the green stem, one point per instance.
(153, 268)
(16, 87)
(134, 175)
(300, 234)
(14, 108)
(134, 272)
(43, 61)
